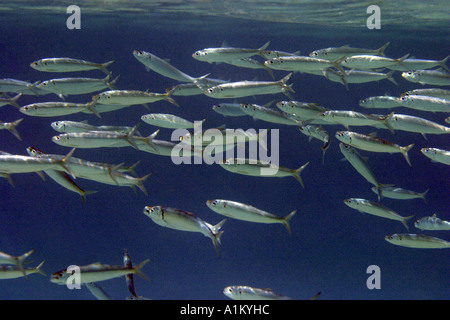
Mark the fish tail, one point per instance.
(103, 66)
(21, 259)
(286, 221)
(296, 174)
(401, 59)
(423, 194)
(405, 152)
(217, 235)
(111, 83)
(83, 195)
(137, 270)
(389, 77)
(149, 141)
(324, 149)
(63, 164)
(443, 63)
(12, 128)
(91, 107)
(38, 269)
(13, 100)
(405, 220)
(169, 98)
(8, 178)
(264, 47)
(140, 184)
(314, 297)
(380, 51)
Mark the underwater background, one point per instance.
(331, 245)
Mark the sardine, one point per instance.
(185, 221)
(224, 53)
(419, 241)
(245, 212)
(432, 77)
(432, 223)
(97, 272)
(400, 193)
(257, 168)
(376, 209)
(437, 155)
(372, 143)
(334, 53)
(68, 65)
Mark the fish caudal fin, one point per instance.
(286, 219)
(103, 66)
(38, 269)
(217, 234)
(137, 270)
(296, 174)
(405, 220)
(423, 194)
(405, 153)
(12, 128)
(443, 63)
(21, 259)
(380, 51)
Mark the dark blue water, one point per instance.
(331, 245)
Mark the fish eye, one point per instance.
(210, 90)
(221, 89)
(271, 61)
(214, 203)
(196, 53)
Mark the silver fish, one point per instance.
(419, 241)
(250, 293)
(400, 193)
(97, 272)
(68, 65)
(53, 109)
(131, 97)
(257, 168)
(429, 92)
(361, 166)
(249, 88)
(414, 124)
(419, 64)
(13, 272)
(376, 209)
(245, 212)
(432, 77)
(437, 155)
(11, 127)
(185, 221)
(73, 86)
(372, 143)
(380, 102)
(224, 53)
(432, 223)
(334, 53)
(364, 62)
(313, 131)
(161, 66)
(424, 103)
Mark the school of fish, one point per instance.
(345, 65)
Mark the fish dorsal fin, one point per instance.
(434, 216)
(225, 44)
(84, 121)
(373, 134)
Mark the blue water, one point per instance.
(331, 245)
